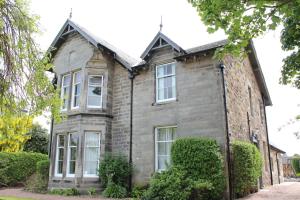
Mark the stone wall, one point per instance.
(197, 111)
(245, 108)
(277, 167)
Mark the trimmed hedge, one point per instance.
(247, 167)
(15, 168)
(202, 159)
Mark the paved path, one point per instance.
(19, 192)
(284, 191)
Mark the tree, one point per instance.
(24, 84)
(39, 139)
(13, 132)
(243, 20)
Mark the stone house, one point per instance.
(277, 164)
(114, 103)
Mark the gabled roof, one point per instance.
(70, 26)
(161, 40)
(277, 149)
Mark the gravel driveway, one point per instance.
(284, 191)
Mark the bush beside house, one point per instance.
(247, 167)
(15, 168)
(296, 164)
(197, 172)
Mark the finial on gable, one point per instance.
(71, 12)
(161, 24)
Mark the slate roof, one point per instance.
(124, 59)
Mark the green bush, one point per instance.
(38, 182)
(138, 191)
(15, 168)
(114, 190)
(296, 163)
(169, 185)
(92, 191)
(39, 139)
(65, 192)
(247, 167)
(116, 167)
(202, 159)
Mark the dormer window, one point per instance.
(165, 82)
(94, 97)
(76, 89)
(65, 90)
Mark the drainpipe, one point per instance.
(227, 134)
(131, 77)
(50, 139)
(267, 132)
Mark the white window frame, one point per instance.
(156, 144)
(56, 156)
(62, 92)
(170, 75)
(99, 146)
(69, 155)
(73, 89)
(101, 96)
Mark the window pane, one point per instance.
(95, 80)
(92, 139)
(92, 154)
(162, 134)
(72, 167)
(76, 101)
(94, 91)
(94, 101)
(77, 77)
(91, 167)
(61, 140)
(163, 161)
(73, 153)
(60, 154)
(77, 89)
(162, 148)
(66, 80)
(160, 71)
(60, 167)
(73, 140)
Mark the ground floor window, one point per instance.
(164, 137)
(60, 147)
(72, 154)
(91, 153)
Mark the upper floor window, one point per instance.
(94, 97)
(76, 89)
(164, 137)
(65, 90)
(165, 82)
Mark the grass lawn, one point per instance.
(13, 198)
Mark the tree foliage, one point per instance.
(243, 20)
(24, 84)
(13, 132)
(38, 141)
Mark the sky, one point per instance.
(131, 25)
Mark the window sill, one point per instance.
(164, 102)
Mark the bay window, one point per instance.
(164, 137)
(76, 89)
(91, 154)
(165, 82)
(60, 148)
(94, 97)
(72, 154)
(65, 90)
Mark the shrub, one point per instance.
(116, 167)
(169, 185)
(39, 139)
(114, 190)
(202, 159)
(138, 191)
(38, 182)
(91, 191)
(247, 167)
(15, 168)
(65, 192)
(296, 163)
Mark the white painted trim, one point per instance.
(156, 144)
(69, 154)
(101, 96)
(156, 85)
(99, 146)
(56, 156)
(73, 89)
